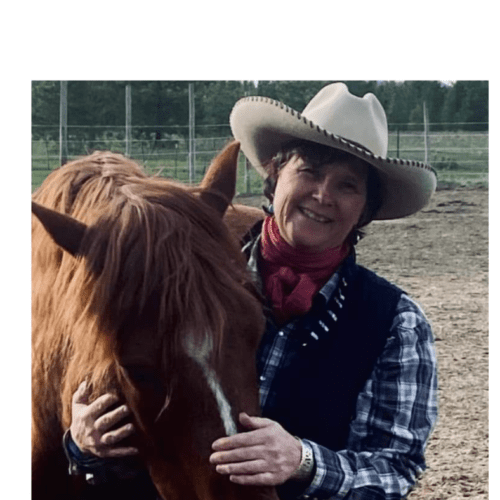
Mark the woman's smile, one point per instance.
(310, 214)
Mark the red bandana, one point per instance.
(292, 277)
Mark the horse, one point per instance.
(140, 288)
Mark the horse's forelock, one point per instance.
(159, 245)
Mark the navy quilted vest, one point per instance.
(317, 391)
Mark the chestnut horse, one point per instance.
(139, 288)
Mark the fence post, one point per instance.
(128, 119)
(191, 133)
(426, 135)
(247, 175)
(63, 123)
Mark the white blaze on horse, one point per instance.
(139, 288)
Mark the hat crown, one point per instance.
(358, 119)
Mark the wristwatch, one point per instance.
(306, 466)
(98, 470)
(79, 462)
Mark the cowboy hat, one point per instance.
(336, 118)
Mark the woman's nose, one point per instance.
(322, 193)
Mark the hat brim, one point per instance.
(263, 126)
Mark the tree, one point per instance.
(45, 98)
(157, 105)
(475, 105)
(214, 102)
(161, 107)
(467, 101)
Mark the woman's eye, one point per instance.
(308, 171)
(350, 186)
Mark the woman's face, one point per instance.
(317, 207)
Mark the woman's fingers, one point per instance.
(117, 435)
(92, 426)
(264, 455)
(254, 422)
(117, 452)
(81, 395)
(98, 407)
(110, 438)
(244, 439)
(250, 467)
(257, 435)
(109, 419)
(261, 479)
(236, 455)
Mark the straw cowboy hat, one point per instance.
(336, 118)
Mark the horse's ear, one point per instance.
(66, 231)
(218, 187)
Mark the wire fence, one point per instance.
(458, 156)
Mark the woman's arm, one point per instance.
(395, 414)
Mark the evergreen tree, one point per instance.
(475, 105)
(45, 98)
(157, 105)
(214, 102)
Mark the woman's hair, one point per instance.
(316, 155)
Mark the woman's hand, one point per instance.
(267, 455)
(91, 424)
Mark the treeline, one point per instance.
(157, 105)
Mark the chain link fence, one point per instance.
(458, 156)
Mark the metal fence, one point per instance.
(454, 154)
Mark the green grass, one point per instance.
(462, 179)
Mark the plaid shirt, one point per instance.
(398, 400)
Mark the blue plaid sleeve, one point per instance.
(395, 414)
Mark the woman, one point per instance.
(347, 365)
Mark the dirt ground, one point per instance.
(440, 257)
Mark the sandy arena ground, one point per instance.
(440, 257)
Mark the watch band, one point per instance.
(79, 462)
(100, 470)
(306, 466)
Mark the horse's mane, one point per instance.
(152, 252)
